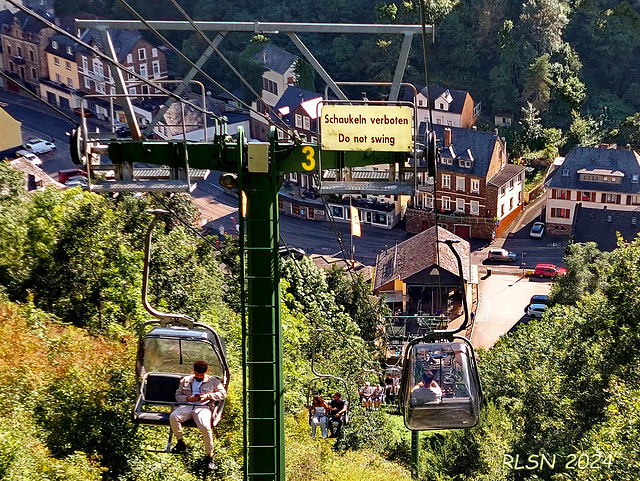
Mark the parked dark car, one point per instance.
(539, 299)
(124, 132)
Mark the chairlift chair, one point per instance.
(447, 360)
(451, 362)
(166, 353)
(313, 388)
(168, 347)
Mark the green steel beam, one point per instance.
(221, 155)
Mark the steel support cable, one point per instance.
(336, 231)
(51, 106)
(423, 22)
(186, 59)
(230, 65)
(105, 57)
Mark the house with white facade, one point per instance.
(450, 107)
(595, 178)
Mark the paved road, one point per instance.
(501, 305)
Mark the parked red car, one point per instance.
(64, 175)
(549, 270)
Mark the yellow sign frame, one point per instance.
(379, 128)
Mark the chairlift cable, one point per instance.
(111, 61)
(51, 106)
(186, 59)
(334, 226)
(423, 21)
(235, 71)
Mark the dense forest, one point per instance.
(563, 389)
(565, 70)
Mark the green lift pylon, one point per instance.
(259, 168)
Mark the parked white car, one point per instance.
(39, 146)
(536, 310)
(537, 229)
(34, 159)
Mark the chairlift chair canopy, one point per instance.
(166, 353)
(455, 402)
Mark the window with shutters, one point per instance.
(560, 213)
(611, 198)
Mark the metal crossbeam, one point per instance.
(258, 27)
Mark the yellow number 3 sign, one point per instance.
(311, 161)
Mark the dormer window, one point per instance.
(634, 178)
(54, 45)
(565, 172)
(69, 50)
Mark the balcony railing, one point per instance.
(452, 216)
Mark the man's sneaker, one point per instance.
(209, 463)
(179, 448)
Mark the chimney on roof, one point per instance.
(447, 137)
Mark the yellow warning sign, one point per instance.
(366, 127)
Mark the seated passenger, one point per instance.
(338, 412)
(427, 390)
(365, 395)
(376, 397)
(318, 412)
(197, 394)
(396, 384)
(388, 389)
